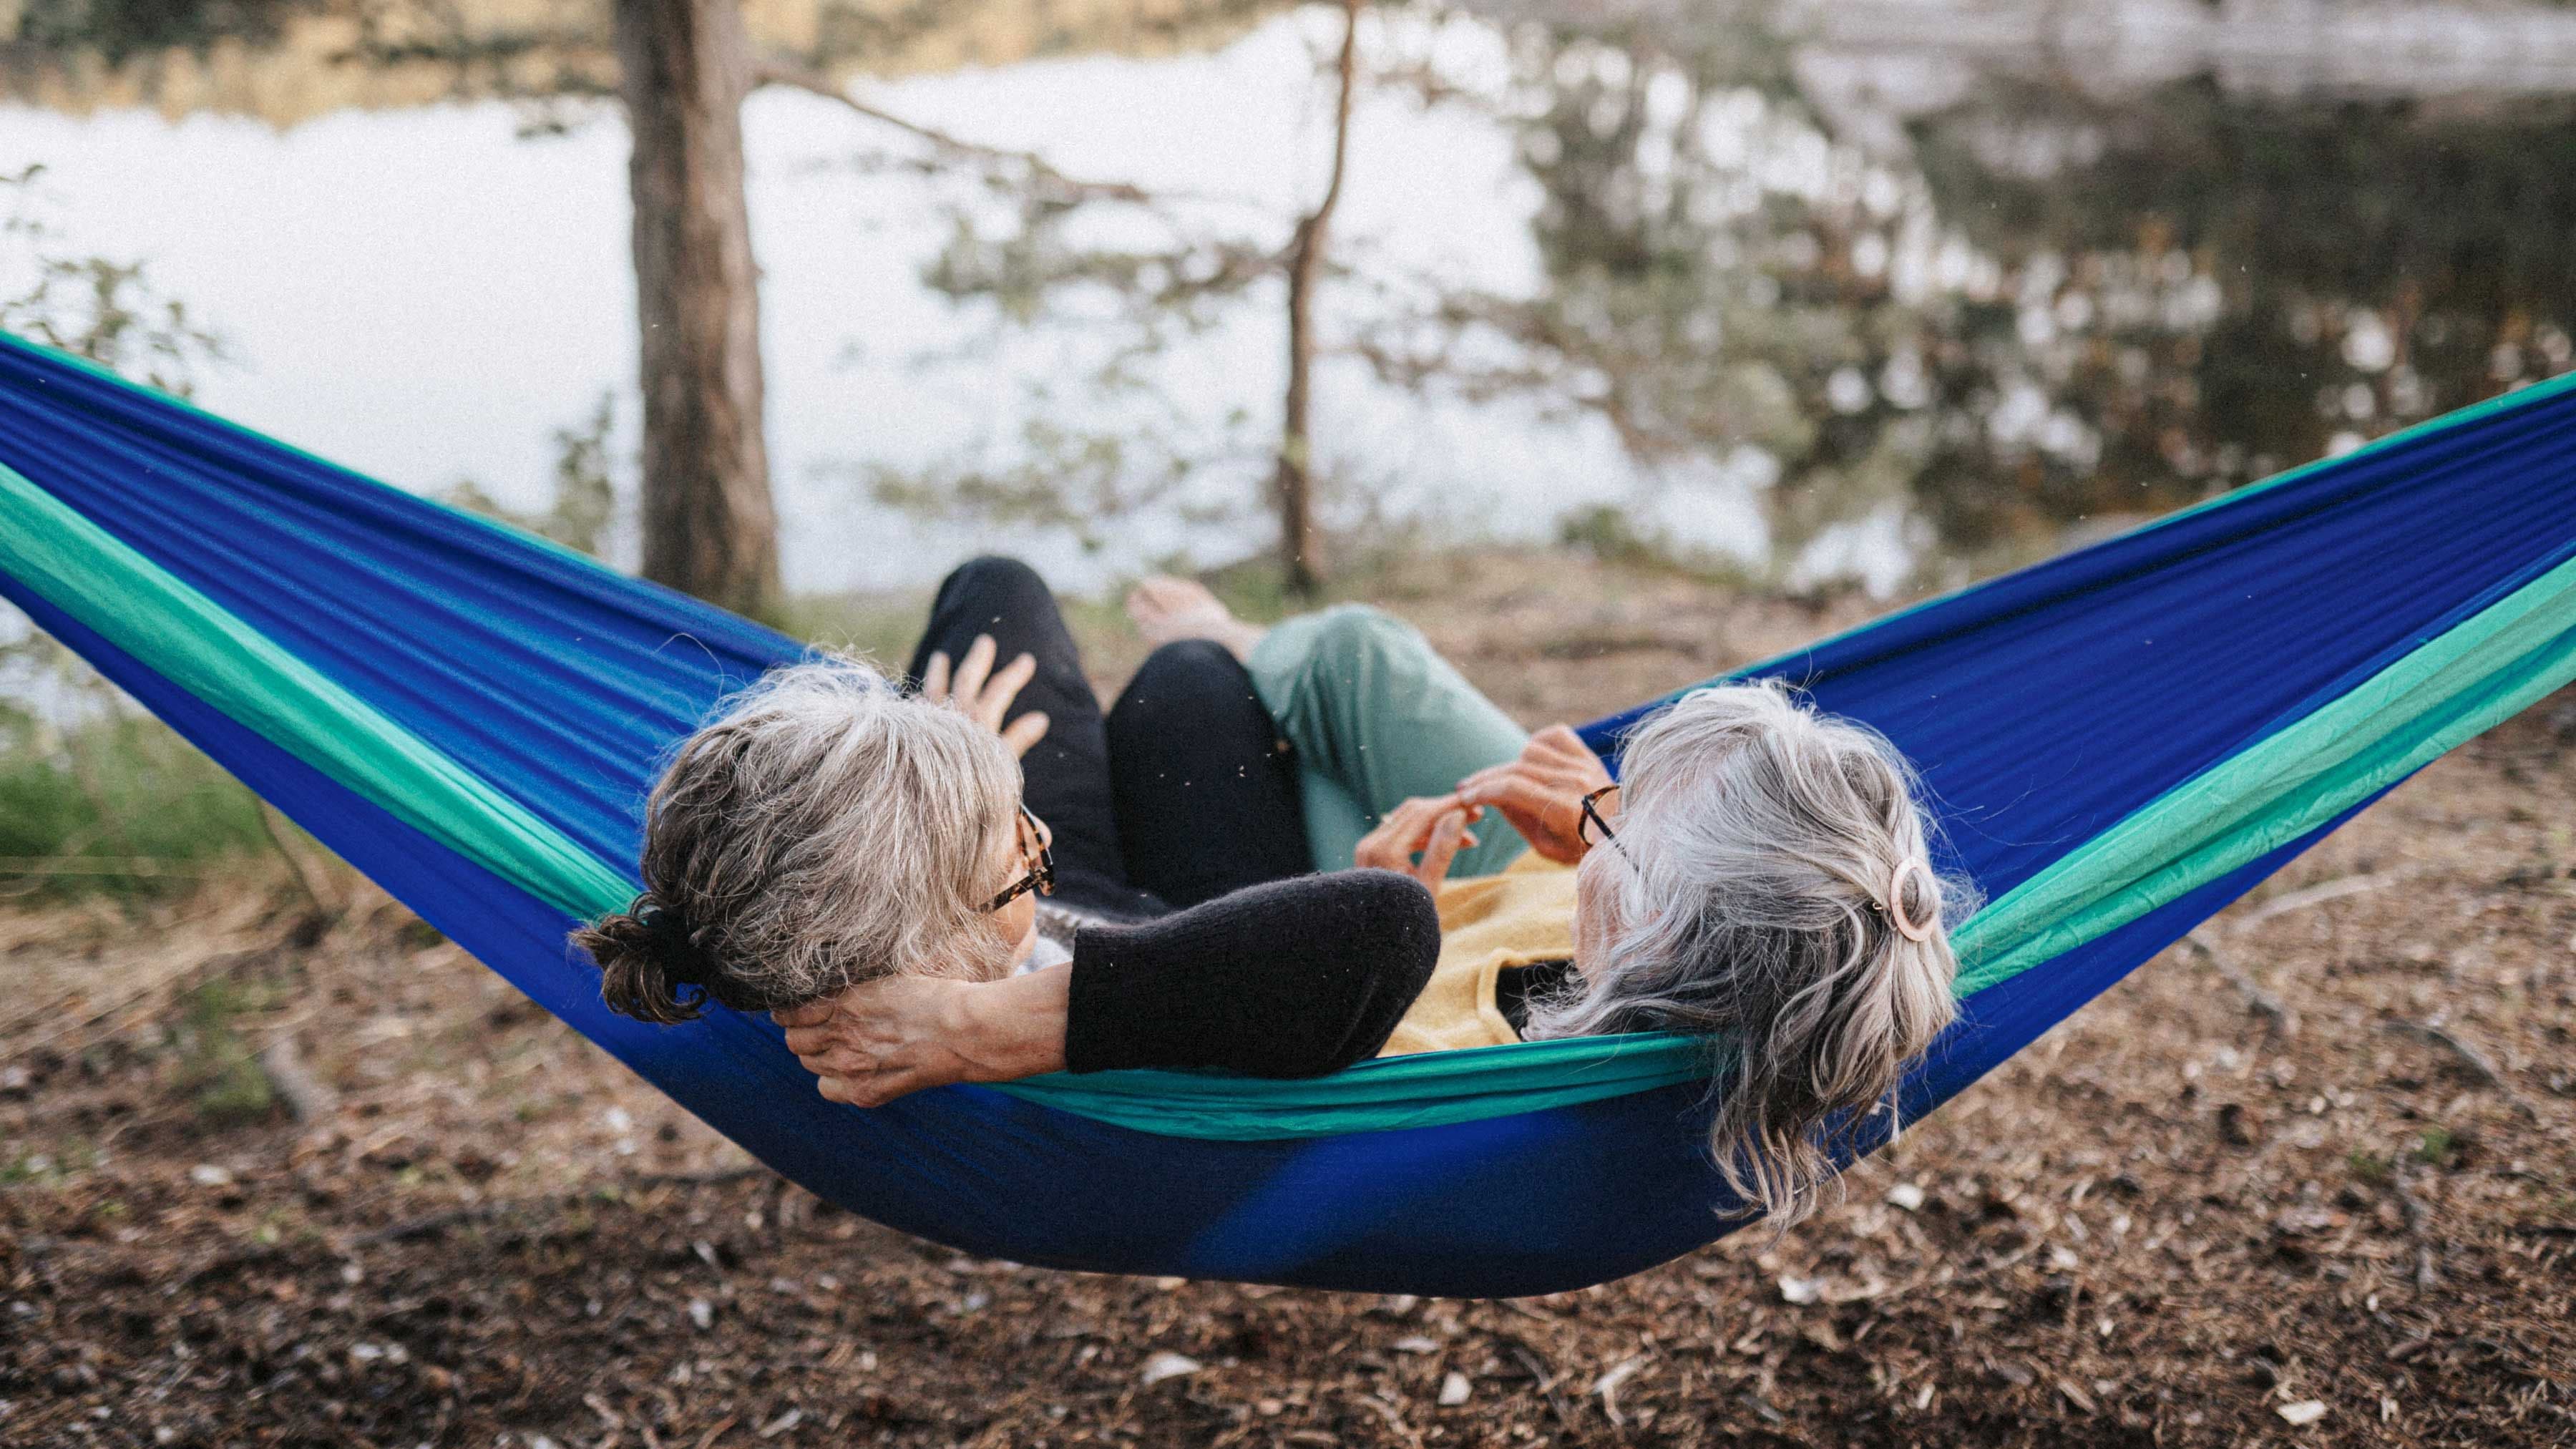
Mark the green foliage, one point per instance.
(584, 505)
(1606, 533)
(92, 795)
(94, 307)
(117, 803)
(1083, 482)
(25, 1162)
(880, 626)
(217, 1068)
(2241, 281)
(2369, 1166)
(116, 29)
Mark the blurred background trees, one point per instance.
(1892, 292)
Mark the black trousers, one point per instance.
(1181, 793)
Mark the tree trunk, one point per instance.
(1300, 552)
(1300, 548)
(709, 526)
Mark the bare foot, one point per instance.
(1167, 609)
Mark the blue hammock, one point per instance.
(2120, 741)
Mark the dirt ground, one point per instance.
(2314, 1183)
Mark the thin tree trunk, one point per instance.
(709, 526)
(1300, 549)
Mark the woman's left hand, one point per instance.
(884, 1039)
(986, 693)
(1541, 793)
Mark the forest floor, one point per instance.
(2312, 1185)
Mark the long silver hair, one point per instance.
(1761, 843)
(823, 829)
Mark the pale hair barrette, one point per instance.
(1905, 924)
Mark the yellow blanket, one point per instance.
(1487, 925)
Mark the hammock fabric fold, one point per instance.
(2120, 742)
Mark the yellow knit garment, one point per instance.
(1490, 923)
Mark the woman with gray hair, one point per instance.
(1279, 853)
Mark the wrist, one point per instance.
(1011, 1028)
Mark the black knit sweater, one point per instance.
(1296, 978)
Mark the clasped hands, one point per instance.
(1540, 794)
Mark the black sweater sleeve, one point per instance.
(1296, 978)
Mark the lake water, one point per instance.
(1858, 298)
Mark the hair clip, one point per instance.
(1906, 925)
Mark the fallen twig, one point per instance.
(1607, 1387)
(1394, 1420)
(2470, 1057)
(78, 1034)
(309, 875)
(2260, 1001)
(2417, 1225)
(2315, 895)
(717, 1178)
(1542, 1379)
(425, 1226)
(432, 1224)
(226, 1264)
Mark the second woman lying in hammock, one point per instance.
(1280, 853)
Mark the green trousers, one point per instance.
(1375, 718)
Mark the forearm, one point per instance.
(1291, 979)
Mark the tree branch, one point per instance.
(1304, 261)
(1346, 71)
(2257, 1000)
(793, 77)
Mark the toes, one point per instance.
(1157, 599)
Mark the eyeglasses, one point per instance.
(1041, 876)
(1592, 821)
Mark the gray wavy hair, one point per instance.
(823, 829)
(1762, 840)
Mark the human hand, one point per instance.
(1541, 793)
(887, 1038)
(1434, 826)
(984, 693)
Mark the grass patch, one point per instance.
(117, 805)
(48, 1165)
(217, 1069)
(881, 626)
